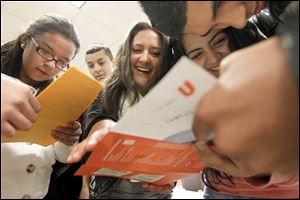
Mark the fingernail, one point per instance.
(69, 159)
(91, 142)
(75, 156)
(200, 145)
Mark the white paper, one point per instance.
(165, 113)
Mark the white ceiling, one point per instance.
(106, 21)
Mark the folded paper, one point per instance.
(152, 141)
(62, 101)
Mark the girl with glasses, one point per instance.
(35, 58)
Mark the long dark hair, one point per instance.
(121, 85)
(11, 52)
(169, 17)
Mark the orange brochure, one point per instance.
(151, 142)
(142, 159)
(62, 101)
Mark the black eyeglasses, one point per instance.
(49, 56)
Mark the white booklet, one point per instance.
(149, 142)
(166, 112)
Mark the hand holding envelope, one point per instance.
(68, 133)
(19, 107)
(62, 101)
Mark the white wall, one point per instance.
(105, 22)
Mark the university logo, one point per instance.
(187, 89)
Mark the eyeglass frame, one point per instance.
(38, 47)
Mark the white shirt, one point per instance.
(26, 168)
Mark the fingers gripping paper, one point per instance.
(150, 143)
(62, 101)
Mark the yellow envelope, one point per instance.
(62, 101)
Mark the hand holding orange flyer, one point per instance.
(142, 159)
(62, 101)
(150, 143)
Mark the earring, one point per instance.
(22, 45)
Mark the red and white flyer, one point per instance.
(151, 142)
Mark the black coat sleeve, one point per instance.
(94, 114)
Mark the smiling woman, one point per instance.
(145, 54)
(207, 51)
(141, 62)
